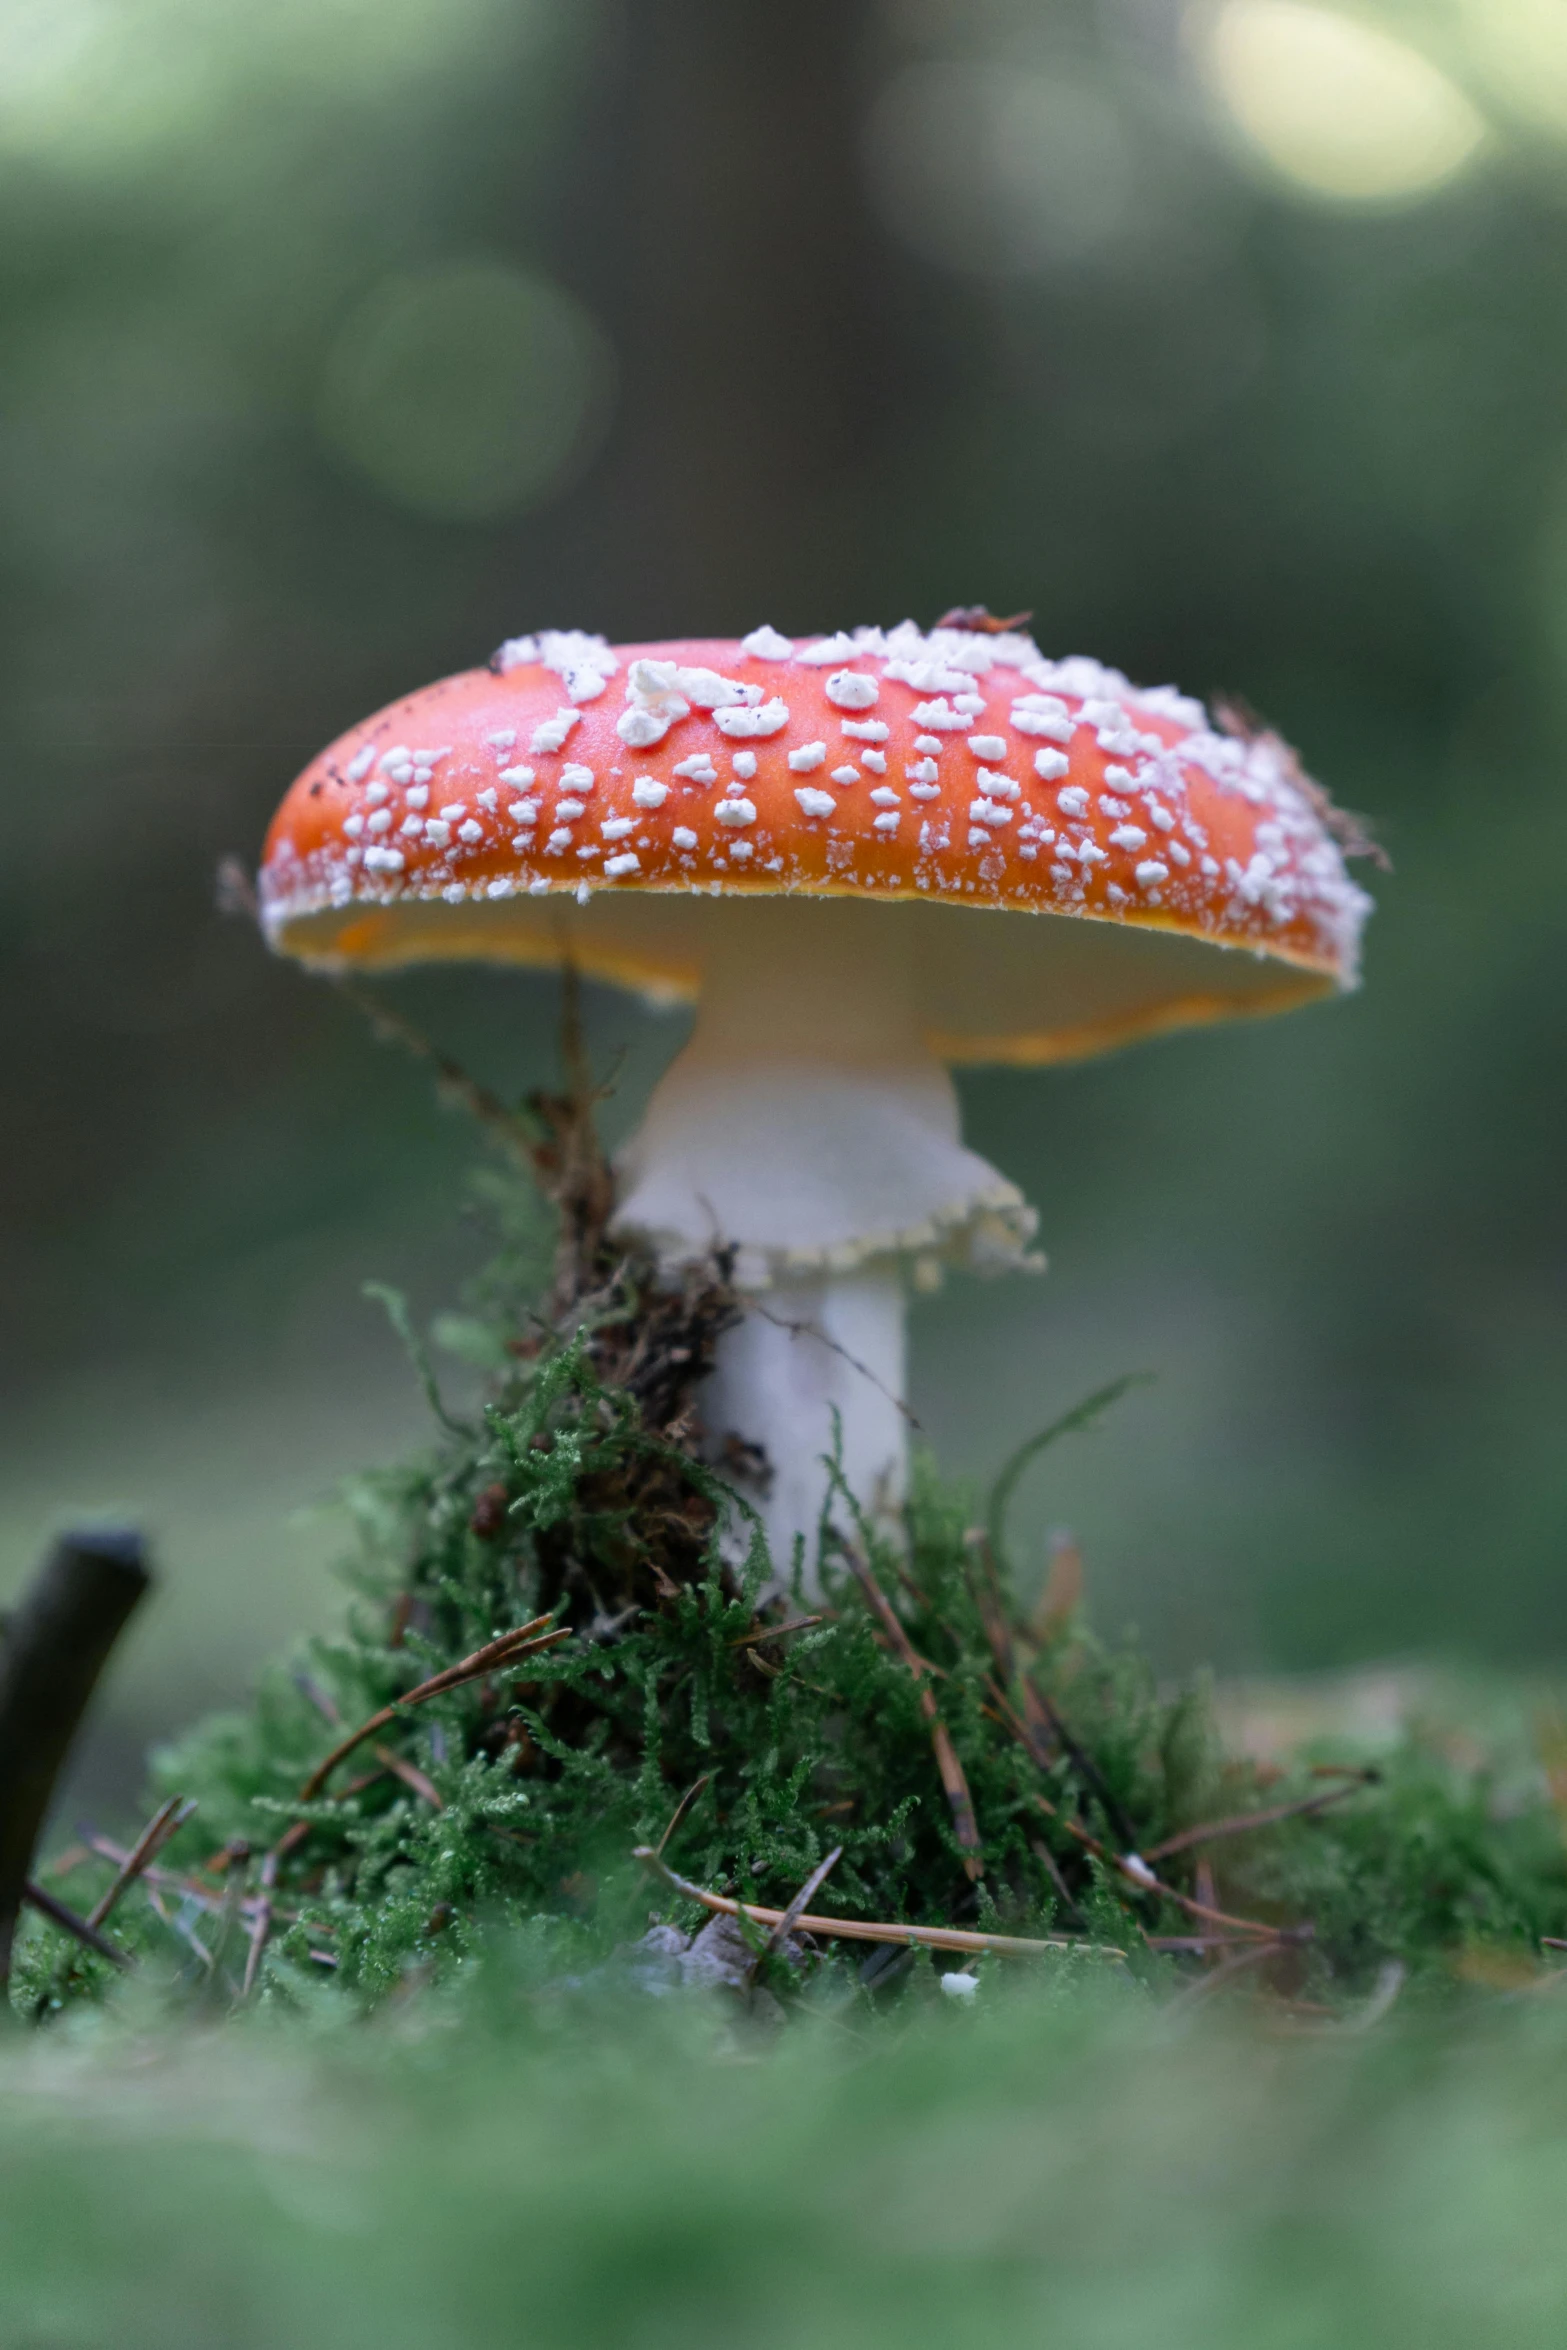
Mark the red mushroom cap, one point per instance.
(617, 786)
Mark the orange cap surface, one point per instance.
(574, 798)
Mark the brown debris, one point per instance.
(1353, 833)
(488, 1516)
(776, 1631)
(1062, 1595)
(1136, 1872)
(861, 1930)
(60, 1914)
(682, 1808)
(791, 1917)
(526, 1640)
(164, 1824)
(261, 1923)
(1239, 1824)
(982, 622)
(410, 1775)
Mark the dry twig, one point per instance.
(796, 1909)
(410, 1774)
(1136, 1871)
(509, 1649)
(107, 1849)
(1236, 1964)
(1031, 1728)
(178, 1925)
(1084, 1765)
(682, 1807)
(164, 1824)
(965, 1825)
(776, 1631)
(452, 1080)
(59, 1914)
(260, 1924)
(1240, 1822)
(1052, 1868)
(860, 1930)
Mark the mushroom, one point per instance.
(813, 843)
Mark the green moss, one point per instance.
(487, 2166)
(549, 1776)
(514, 1801)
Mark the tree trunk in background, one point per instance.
(734, 258)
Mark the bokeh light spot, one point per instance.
(469, 390)
(1521, 48)
(1336, 105)
(98, 86)
(74, 76)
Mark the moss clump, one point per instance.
(578, 1492)
(565, 1502)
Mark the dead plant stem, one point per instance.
(861, 1930)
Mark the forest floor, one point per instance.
(427, 2025)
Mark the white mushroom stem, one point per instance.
(809, 1357)
(808, 1127)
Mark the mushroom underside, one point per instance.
(989, 984)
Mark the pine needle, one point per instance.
(861, 1930)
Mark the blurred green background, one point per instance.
(342, 338)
